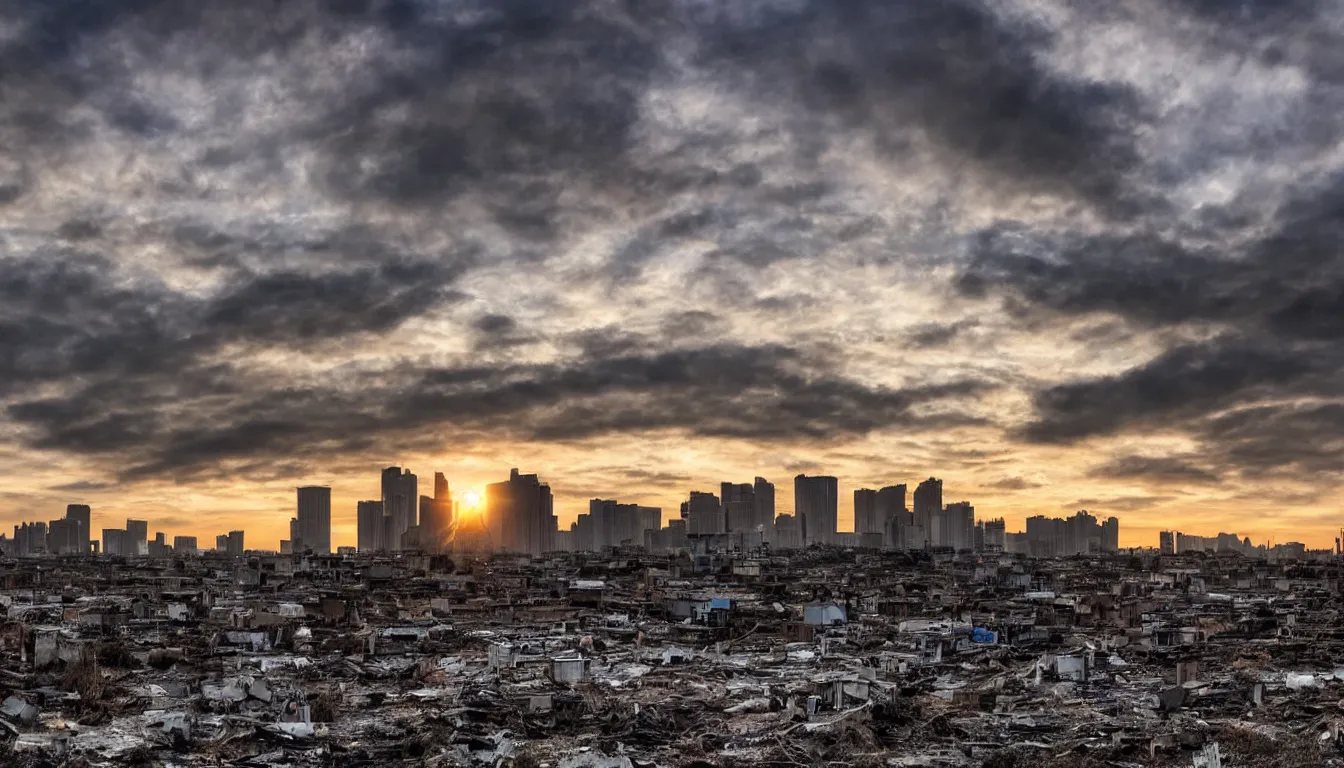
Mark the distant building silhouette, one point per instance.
(81, 514)
(764, 491)
(370, 527)
(739, 506)
(437, 516)
(400, 504)
(703, 514)
(928, 507)
(116, 541)
(609, 523)
(895, 517)
(314, 519)
(958, 527)
(520, 514)
(815, 503)
(866, 517)
(137, 538)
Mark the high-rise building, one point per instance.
(815, 503)
(764, 492)
(81, 514)
(928, 507)
(609, 523)
(1110, 535)
(866, 517)
(314, 516)
(739, 506)
(703, 514)
(63, 537)
(788, 532)
(521, 514)
(895, 517)
(137, 538)
(1166, 542)
(222, 542)
(401, 498)
(996, 535)
(436, 517)
(234, 543)
(370, 526)
(184, 545)
(115, 541)
(959, 525)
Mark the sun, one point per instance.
(472, 499)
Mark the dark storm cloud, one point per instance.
(1184, 382)
(82, 485)
(1120, 503)
(967, 80)
(939, 334)
(68, 316)
(143, 328)
(1272, 303)
(495, 324)
(1014, 484)
(1159, 469)
(519, 89)
(723, 391)
(1303, 440)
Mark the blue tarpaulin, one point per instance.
(981, 635)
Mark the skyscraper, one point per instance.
(234, 543)
(765, 505)
(81, 514)
(222, 542)
(137, 538)
(996, 535)
(370, 526)
(960, 525)
(703, 514)
(436, 517)
(115, 542)
(739, 506)
(866, 517)
(815, 502)
(928, 503)
(521, 514)
(314, 516)
(400, 499)
(894, 516)
(1110, 535)
(1166, 542)
(63, 536)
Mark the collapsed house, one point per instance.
(823, 656)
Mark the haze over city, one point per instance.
(1062, 257)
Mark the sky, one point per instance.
(1061, 255)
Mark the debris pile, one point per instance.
(817, 657)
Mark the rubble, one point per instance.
(816, 657)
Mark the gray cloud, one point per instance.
(1158, 469)
(232, 220)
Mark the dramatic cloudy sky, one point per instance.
(1062, 255)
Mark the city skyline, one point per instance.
(314, 507)
(1064, 256)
